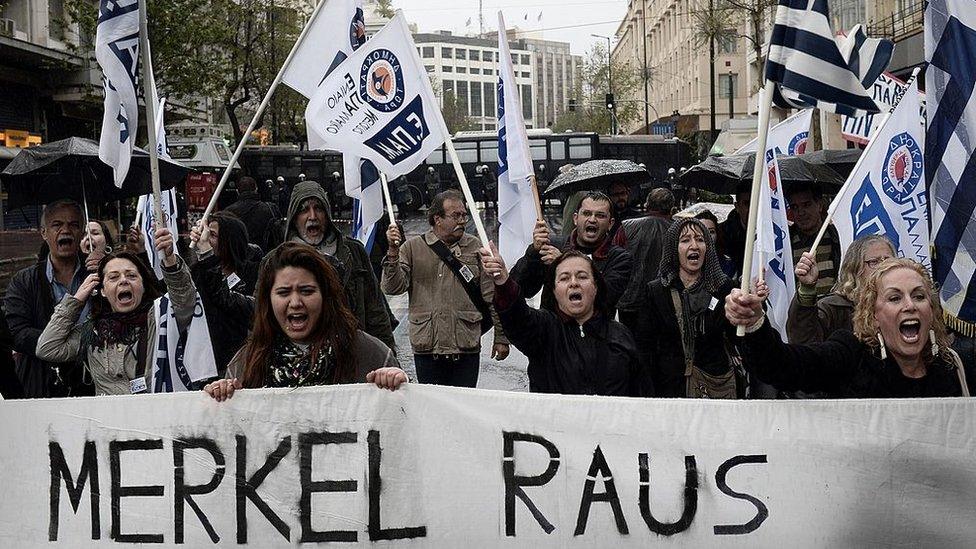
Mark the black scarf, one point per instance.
(292, 366)
(116, 328)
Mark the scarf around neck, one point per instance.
(292, 365)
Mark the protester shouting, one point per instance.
(593, 219)
(898, 346)
(682, 329)
(117, 343)
(225, 295)
(310, 221)
(450, 295)
(578, 349)
(812, 320)
(304, 334)
(32, 294)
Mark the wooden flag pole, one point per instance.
(387, 198)
(466, 190)
(538, 200)
(149, 95)
(765, 105)
(257, 114)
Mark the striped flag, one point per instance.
(813, 68)
(117, 52)
(950, 167)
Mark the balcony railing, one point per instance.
(899, 25)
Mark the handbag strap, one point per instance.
(688, 347)
(957, 362)
(471, 287)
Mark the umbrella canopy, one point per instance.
(598, 174)
(841, 161)
(729, 174)
(70, 168)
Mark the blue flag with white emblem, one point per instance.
(950, 166)
(886, 194)
(117, 52)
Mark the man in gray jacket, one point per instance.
(309, 221)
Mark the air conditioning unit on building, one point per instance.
(7, 27)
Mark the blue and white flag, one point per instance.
(378, 104)
(886, 195)
(516, 202)
(167, 202)
(117, 52)
(950, 166)
(788, 138)
(367, 205)
(814, 68)
(773, 251)
(182, 358)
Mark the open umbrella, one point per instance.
(729, 174)
(70, 168)
(841, 161)
(597, 174)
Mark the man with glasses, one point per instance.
(32, 294)
(592, 219)
(805, 204)
(450, 295)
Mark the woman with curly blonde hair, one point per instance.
(898, 347)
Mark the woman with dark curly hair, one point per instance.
(116, 343)
(304, 334)
(898, 346)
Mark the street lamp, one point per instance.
(613, 107)
(647, 122)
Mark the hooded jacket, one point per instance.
(362, 290)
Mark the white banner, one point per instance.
(432, 466)
(378, 104)
(337, 31)
(884, 91)
(117, 52)
(788, 138)
(887, 194)
(516, 202)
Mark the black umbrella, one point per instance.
(70, 168)
(597, 174)
(841, 161)
(730, 174)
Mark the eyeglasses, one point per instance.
(875, 261)
(458, 216)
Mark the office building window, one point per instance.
(462, 69)
(447, 53)
(474, 55)
(526, 101)
(476, 99)
(727, 43)
(461, 53)
(427, 52)
(475, 70)
(525, 59)
(526, 74)
(491, 91)
(449, 87)
(447, 68)
(727, 85)
(462, 94)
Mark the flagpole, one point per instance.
(387, 198)
(765, 105)
(535, 194)
(857, 167)
(257, 114)
(149, 95)
(465, 189)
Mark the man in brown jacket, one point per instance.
(445, 324)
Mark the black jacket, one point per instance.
(28, 306)
(597, 358)
(645, 239)
(10, 386)
(613, 262)
(842, 366)
(659, 339)
(229, 312)
(733, 237)
(257, 216)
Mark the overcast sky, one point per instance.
(570, 21)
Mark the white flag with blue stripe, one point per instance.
(814, 68)
(367, 202)
(788, 138)
(886, 195)
(516, 202)
(117, 52)
(950, 165)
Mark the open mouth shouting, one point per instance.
(65, 242)
(296, 323)
(910, 330)
(313, 228)
(125, 298)
(575, 296)
(591, 230)
(694, 256)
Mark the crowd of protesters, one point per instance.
(635, 301)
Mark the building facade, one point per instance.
(467, 67)
(663, 32)
(555, 77)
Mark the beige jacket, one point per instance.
(442, 318)
(114, 366)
